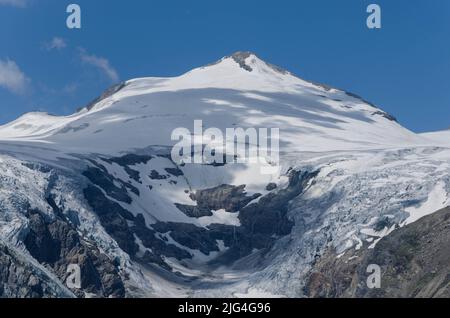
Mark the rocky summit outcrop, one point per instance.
(414, 262)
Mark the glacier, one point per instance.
(350, 176)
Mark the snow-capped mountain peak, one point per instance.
(239, 71)
(250, 62)
(240, 90)
(102, 184)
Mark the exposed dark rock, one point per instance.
(133, 175)
(271, 186)
(37, 167)
(379, 112)
(116, 222)
(189, 235)
(72, 217)
(413, 259)
(20, 279)
(39, 241)
(239, 242)
(262, 222)
(132, 188)
(102, 179)
(194, 211)
(217, 164)
(158, 246)
(322, 86)
(240, 57)
(225, 159)
(55, 244)
(122, 225)
(227, 197)
(51, 201)
(109, 92)
(360, 98)
(130, 160)
(113, 218)
(385, 115)
(230, 235)
(383, 223)
(152, 258)
(176, 172)
(268, 216)
(154, 175)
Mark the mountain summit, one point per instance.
(249, 61)
(240, 90)
(100, 189)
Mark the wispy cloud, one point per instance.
(14, 3)
(55, 44)
(12, 78)
(70, 88)
(101, 63)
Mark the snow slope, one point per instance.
(441, 138)
(369, 176)
(238, 91)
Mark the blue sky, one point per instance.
(404, 67)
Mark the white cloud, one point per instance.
(55, 44)
(100, 63)
(12, 78)
(14, 3)
(70, 88)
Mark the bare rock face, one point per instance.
(227, 197)
(414, 262)
(109, 92)
(20, 279)
(56, 245)
(241, 59)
